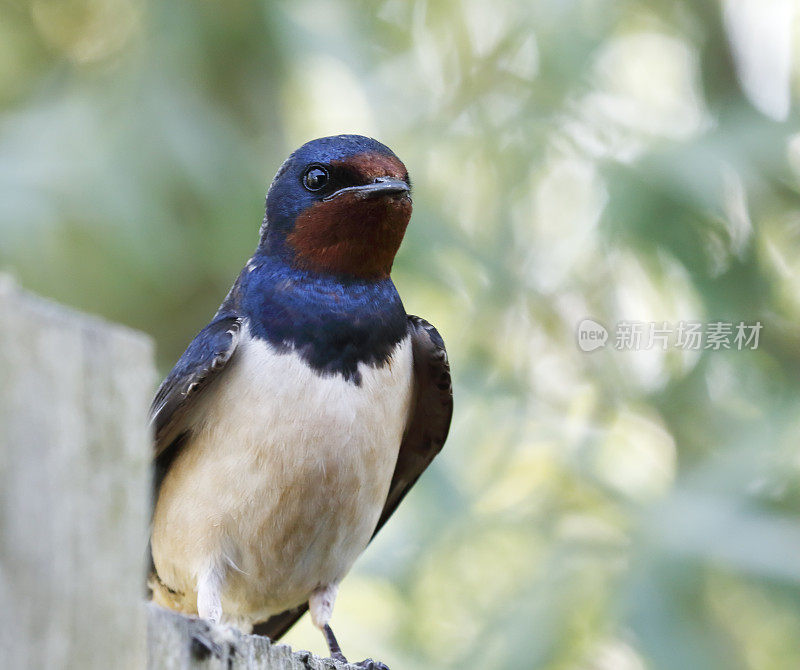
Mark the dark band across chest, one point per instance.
(333, 324)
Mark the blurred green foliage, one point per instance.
(617, 510)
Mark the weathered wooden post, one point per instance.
(74, 496)
(177, 642)
(73, 486)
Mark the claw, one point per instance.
(369, 664)
(203, 647)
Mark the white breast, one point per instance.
(283, 479)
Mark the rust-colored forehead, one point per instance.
(372, 165)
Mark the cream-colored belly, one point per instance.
(282, 482)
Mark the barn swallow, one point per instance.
(297, 420)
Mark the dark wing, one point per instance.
(430, 414)
(429, 422)
(200, 363)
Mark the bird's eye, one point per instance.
(315, 178)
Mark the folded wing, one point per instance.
(202, 361)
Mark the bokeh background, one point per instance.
(620, 160)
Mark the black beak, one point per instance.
(381, 186)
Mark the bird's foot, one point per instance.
(202, 647)
(369, 664)
(213, 639)
(227, 633)
(337, 655)
(366, 664)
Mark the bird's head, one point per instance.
(339, 205)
